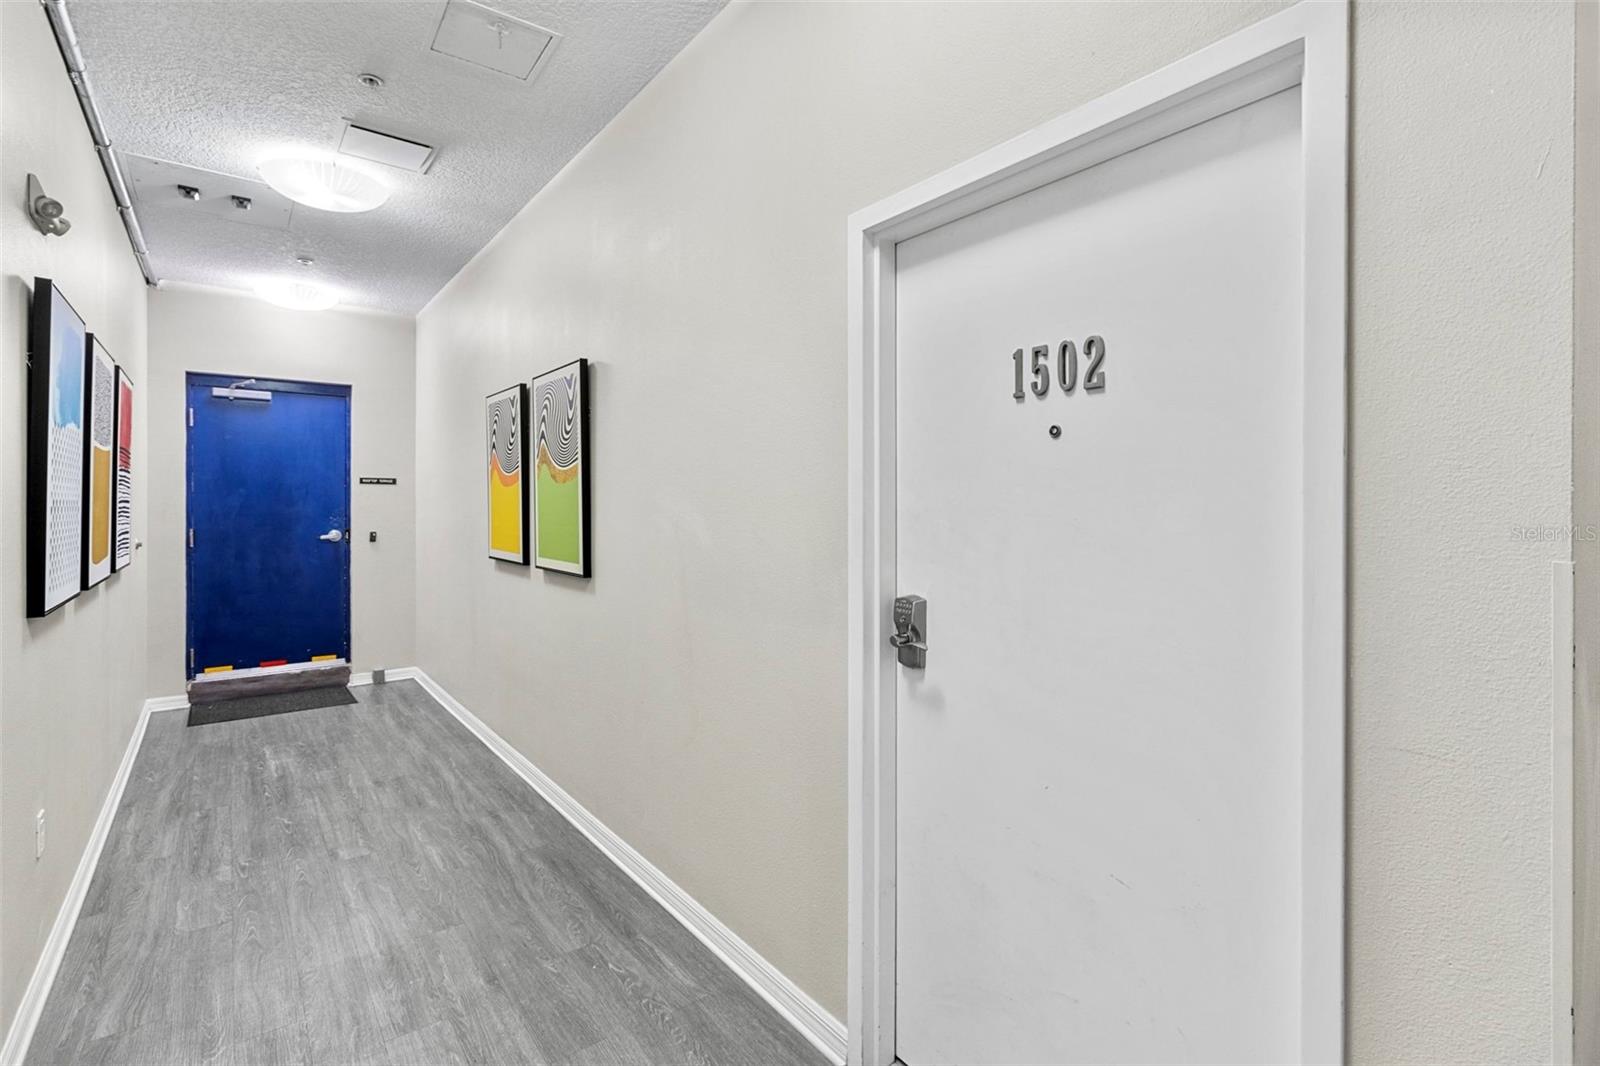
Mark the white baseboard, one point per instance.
(812, 1021)
(166, 703)
(26, 1020)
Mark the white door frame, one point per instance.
(1307, 45)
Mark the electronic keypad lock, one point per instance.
(910, 636)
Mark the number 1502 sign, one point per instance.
(1066, 360)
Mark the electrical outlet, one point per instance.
(38, 836)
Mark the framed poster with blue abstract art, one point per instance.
(57, 359)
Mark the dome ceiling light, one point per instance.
(324, 180)
(296, 294)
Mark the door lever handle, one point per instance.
(910, 638)
(334, 535)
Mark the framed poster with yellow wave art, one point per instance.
(561, 469)
(505, 415)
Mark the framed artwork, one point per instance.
(122, 484)
(57, 357)
(507, 448)
(561, 469)
(99, 456)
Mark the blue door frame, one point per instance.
(268, 480)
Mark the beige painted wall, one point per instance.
(692, 693)
(1461, 421)
(1586, 542)
(71, 684)
(222, 332)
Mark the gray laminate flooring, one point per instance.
(369, 884)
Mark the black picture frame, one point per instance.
(122, 496)
(49, 310)
(585, 566)
(519, 392)
(96, 362)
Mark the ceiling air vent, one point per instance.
(493, 39)
(364, 143)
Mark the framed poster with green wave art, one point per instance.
(561, 469)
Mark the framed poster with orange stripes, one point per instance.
(122, 482)
(506, 450)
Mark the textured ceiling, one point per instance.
(214, 85)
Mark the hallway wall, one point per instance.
(692, 693)
(72, 683)
(223, 332)
(1585, 542)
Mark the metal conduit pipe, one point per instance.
(61, 25)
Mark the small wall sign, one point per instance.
(378, 481)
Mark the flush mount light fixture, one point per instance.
(296, 294)
(325, 180)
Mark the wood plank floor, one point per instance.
(369, 884)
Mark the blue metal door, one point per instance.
(269, 518)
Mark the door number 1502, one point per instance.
(1094, 376)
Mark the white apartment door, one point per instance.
(1099, 443)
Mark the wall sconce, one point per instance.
(45, 210)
